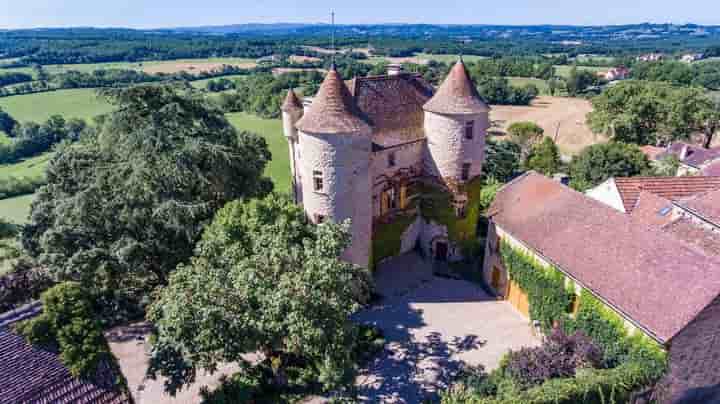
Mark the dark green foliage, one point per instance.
(30, 139)
(599, 162)
(547, 294)
(24, 282)
(544, 158)
(579, 80)
(126, 204)
(14, 186)
(502, 160)
(497, 90)
(263, 279)
(68, 324)
(704, 74)
(7, 122)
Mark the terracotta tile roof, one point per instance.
(457, 94)
(706, 240)
(657, 281)
(32, 375)
(653, 210)
(291, 102)
(392, 103)
(696, 156)
(333, 110)
(706, 205)
(672, 188)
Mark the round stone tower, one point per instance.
(334, 166)
(456, 123)
(292, 111)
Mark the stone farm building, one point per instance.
(398, 158)
(652, 257)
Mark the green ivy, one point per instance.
(547, 294)
(387, 238)
(436, 205)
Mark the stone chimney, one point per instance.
(394, 69)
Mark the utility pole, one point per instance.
(332, 36)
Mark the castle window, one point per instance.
(391, 159)
(465, 174)
(318, 181)
(469, 130)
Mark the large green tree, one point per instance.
(544, 158)
(125, 205)
(653, 113)
(526, 135)
(599, 162)
(263, 280)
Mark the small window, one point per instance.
(318, 181)
(319, 219)
(391, 159)
(465, 175)
(469, 130)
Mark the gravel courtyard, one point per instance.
(433, 325)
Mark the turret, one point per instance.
(334, 166)
(456, 123)
(292, 111)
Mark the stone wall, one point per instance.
(694, 360)
(408, 165)
(344, 161)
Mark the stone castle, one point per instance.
(398, 158)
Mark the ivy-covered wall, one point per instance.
(387, 238)
(436, 205)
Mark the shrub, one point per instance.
(23, 283)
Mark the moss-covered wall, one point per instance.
(436, 205)
(387, 238)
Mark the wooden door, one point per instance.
(518, 299)
(441, 251)
(495, 281)
(384, 202)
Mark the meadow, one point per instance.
(564, 71)
(17, 209)
(541, 84)
(77, 103)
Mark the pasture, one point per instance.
(564, 71)
(271, 129)
(16, 210)
(77, 103)
(541, 84)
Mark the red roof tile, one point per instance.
(696, 156)
(457, 94)
(672, 188)
(706, 205)
(654, 279)
(291, 102)
(333, 110)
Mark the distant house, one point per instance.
(30, 374)
(692, 158)
(692, 57)
(651, 57)
(617, 73)
(662, 286)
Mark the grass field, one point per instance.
(564, 71)
(202, 84)
(80, 103)
(271, 129)
(541, 84)
(4, 139)
(30, 168)
(16, 209)
(160, 66)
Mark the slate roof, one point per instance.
(655, 280)
(292, 102)
(333, 110)
(671, 188)
(457, 94)
(696, 157)
(652, 152)
(29, 374)
(392, 102)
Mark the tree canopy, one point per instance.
(526, 135)
(126, 204)
(599, 162)
(502, 160)
(544, 158)
(653, 113)
(263, 280)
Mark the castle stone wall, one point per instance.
(408, 164)
(344, 161)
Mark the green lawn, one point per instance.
(541, 84)
(449, 58)
(16, 209)
(271, 129)
(564, 71)
(31, 168)
(202, 84)
(80, 103)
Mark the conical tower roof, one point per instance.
(292, 103)
(333, 109)
(457, 94)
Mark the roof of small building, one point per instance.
(671, 188)
(711, 170)
(652, 152)
(457, 94)
(29, 374)
(655, 280)
(393, 102)
(333, 110)
(292, 102)
(696, 156)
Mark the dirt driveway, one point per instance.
(433, 325)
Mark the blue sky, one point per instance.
(169, 13)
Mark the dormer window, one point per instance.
(469, 130)
(391, 159)
(465, 174)
(318, 181)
